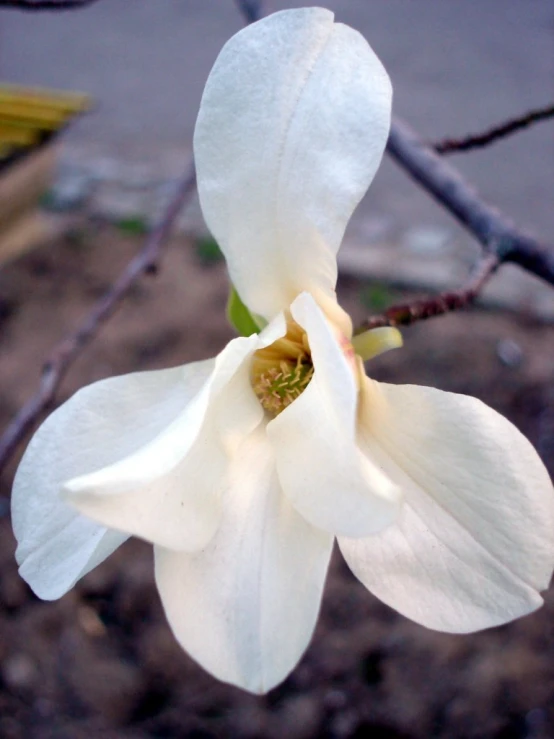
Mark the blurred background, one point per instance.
(102, 661)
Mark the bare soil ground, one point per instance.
(102, 662)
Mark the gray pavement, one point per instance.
(457, 66)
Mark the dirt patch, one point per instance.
(101, 662)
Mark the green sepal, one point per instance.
(240, 317)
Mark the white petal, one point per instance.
(245, 607)
(168, 492)
(97, 426)
(318, 461)
(291, 130)
(475, 540)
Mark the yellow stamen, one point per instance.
(279, 386)
(282, 371)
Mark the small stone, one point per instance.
(137, 176)
(344, 724)
(13, 591)
(249, 722)
(335, 700)
(70, 191)
(107, 686)
(115, 202)
(90, 622)
(300, 717)
(104, 168)
(19, 671)
(44, 707)
(373, 229)
(509, 352)
(429, 240)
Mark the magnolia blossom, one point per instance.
(243, 470)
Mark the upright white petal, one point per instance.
(291, 130)
(475, 539)
(98, 426)
(319, 464)
(168, 491)
(245, 607)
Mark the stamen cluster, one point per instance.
(282, 371)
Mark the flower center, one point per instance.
(282, 371)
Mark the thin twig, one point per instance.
(494, 230)
(478, 141)
(38, 5)
(501, 240)
(67, 350)
(446, 302)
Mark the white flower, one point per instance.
(242, 470)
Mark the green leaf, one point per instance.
(239, 316)
(376, 297)
(133, 225)
(208, 251)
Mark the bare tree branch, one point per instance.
(67, 350)
(418, 310)
(37, 5)
(478, 141)
(495, 231)
(501, 240)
